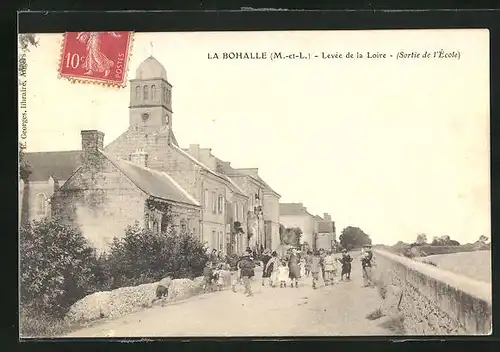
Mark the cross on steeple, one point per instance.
(151, 44)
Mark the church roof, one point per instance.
(151, 68)
(155, 183)
(60, 165)
(293, 209)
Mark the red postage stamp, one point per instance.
(98, 57)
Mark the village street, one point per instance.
(328, 311)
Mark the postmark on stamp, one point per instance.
(96, 57)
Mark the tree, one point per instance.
(483, 239)
(24, 166)
(55, 266)
(353, 237)
(444, 241)
(143, 256)
(421, 238)
(292, 236)
(26, 40)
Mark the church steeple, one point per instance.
(150, 107)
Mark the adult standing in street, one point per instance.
(271, 268)
(266, 257)
(293, 266)
(366, 265)
(345, 260)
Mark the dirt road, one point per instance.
(328, 311)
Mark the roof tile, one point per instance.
(155, 183)
(59, 164)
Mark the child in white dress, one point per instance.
(283, 273)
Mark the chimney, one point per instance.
(194, 150)
(327, 217)
(92, 140)
(140, 158)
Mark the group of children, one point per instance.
(278, 271)
(216, 276)
(328, 264)
(234, 270)
(294, 266)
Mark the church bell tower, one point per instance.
(150, 107)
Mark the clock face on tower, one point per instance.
(145, 117)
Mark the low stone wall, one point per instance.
(125, 300)
(432, 301)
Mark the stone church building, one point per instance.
(227, 208)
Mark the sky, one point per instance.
(395, 147)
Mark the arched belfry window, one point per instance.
(153, 91)
(41, 204)
(138, 92)
(164, 93)
(145, 93)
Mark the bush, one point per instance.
(55, 268)
(145, 257)
(35, 324)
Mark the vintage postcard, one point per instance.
(284, 183)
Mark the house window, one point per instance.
(214, 203)
(205, 199)
(41, 204)
(153, 91)
(236, 213)
(145, 97)
(138, 92)
(221, 204)
(214, 239)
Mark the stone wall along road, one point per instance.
(338, 310)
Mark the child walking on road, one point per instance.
(307, 265)
(247, 266)
(208, 276)
(315, 268)
(330, 268)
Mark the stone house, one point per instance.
(262, 206)
(49, 171)
(326, 235)
(106, 194)
(296, 215)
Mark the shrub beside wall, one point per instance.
(59, 267)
